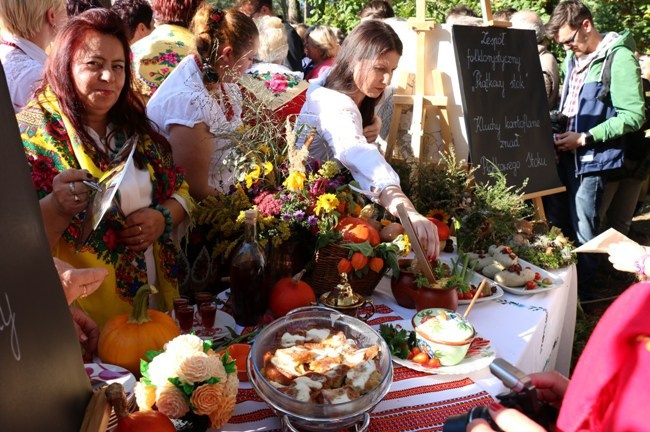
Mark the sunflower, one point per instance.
(439, 214)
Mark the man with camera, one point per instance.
(591, 147)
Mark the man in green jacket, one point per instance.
(591, 147)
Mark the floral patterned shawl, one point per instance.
(52, 146)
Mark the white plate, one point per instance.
(111, 374)
(498, 293)
(540, 289)
(480, 354)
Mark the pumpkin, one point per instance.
(139, 421)
(443, 229)
(126, 338)
(357, 230)
(290, 293)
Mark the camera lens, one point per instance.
(458, 423)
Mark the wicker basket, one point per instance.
(324, 276)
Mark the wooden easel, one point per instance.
(413, 94)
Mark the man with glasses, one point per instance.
(256, 8)
(591, 147)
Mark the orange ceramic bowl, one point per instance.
(239, 352)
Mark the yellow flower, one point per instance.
(439, 214)
(296, 181)
(268, 167)
(264, 149)
(253, 175)
(326, 202)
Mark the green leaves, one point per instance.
(399, 342)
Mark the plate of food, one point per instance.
(490, 292)
(495, 289)
(511, 273)
(480, 354)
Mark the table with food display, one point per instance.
(530, 328)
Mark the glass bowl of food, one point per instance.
(320, 370)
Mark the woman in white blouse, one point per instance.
(28, 28)
(198, 106)
(341, 104)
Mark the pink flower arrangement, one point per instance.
(189, 375)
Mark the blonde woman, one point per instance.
(28, 28)
(321, 46)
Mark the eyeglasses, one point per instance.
(572, 39)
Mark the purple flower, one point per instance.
(286, 217)
(299, 215)
(312, 220)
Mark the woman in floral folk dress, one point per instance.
(81, 122)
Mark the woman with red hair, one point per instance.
(156, 55)
(83, 120)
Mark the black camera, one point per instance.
(559, 122)
(522, 396)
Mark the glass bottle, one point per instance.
(248, 286)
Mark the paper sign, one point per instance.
(601, 243)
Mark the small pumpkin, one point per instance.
(443, 229)
(139, 421)
(290, 293)
(357, 230)
(126, 338)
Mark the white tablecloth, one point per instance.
(533, 332)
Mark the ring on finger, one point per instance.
(140, 228)
(71, 187)
(85, 293)
(76, 198)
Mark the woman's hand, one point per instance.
(551, 387)
(626, 256)
(508, 420)
(79, 282)
(143, 227)
(371, 132)
(69, 194)
(87, 332)
(427, 233)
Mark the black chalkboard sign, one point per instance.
(44, 384)
(505, 108)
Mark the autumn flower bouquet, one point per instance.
(188, 376)
(297, 198)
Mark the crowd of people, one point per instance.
(162, 81)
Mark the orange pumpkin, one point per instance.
(139, 421)
(290, 293)
(357, 230)
(126, 338)
(443, 229)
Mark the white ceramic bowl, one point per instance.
(312, 416)
(443, 334)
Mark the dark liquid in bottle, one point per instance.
(249, 293)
